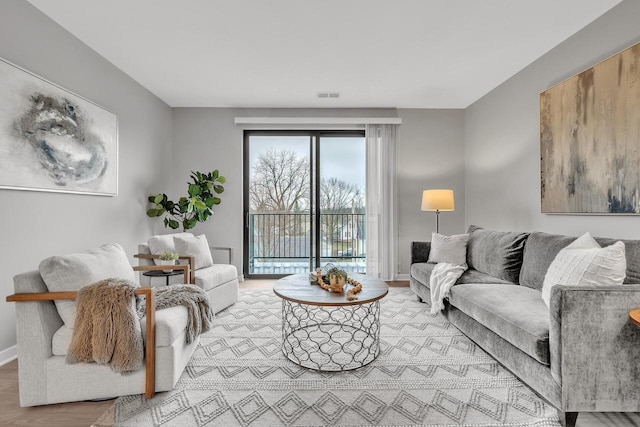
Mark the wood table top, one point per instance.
(634, 316)
(298, 288)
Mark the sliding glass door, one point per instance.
(304, 201)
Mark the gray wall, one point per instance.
(502, 160)
(430, 154)
(34, 225)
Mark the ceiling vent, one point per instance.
(328, 95)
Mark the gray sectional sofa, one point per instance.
(581, 354)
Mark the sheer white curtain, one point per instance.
(381, 201)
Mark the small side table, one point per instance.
(634, 316)
(162, 273)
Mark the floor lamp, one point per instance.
(438, 201)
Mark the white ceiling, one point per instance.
(280, 53)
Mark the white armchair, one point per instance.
(220, 281)
(44, 322)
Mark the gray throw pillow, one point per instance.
(451, 249)
(496, 253)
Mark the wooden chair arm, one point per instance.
(186, 268)
(150, 312)
(190, 279)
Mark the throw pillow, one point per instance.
(160, 243)
(197, 247)
(584, 262)
(496, 253)
(451, 249)
(72, 272)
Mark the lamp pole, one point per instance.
(437, 221)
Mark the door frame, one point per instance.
(314, 176)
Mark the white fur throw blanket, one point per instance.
(443, 276)
(107, 328)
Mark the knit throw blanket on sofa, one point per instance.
(107, 326)
(443, 276)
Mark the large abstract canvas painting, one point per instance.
(590, 139)
(52, 139)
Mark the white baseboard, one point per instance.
(8, 355)
(402, 277)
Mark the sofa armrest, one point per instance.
(222, 248)
(420, 251)
(594, 348)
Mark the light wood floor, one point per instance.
(82, 414)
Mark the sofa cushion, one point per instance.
(216, 275)
(496, 253)
(514, 312)
(170, 324)
(450, 249)
(422, 272)
(584, 263)
(74, 271)
(542, 248)
(164, 242)
(197, 247)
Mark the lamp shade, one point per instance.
(437, 200)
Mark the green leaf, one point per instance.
(199, 204)
(214, 175)
(151, 199)
(173, 224)
(194, 190)
(209, 202)
(222, 179)
(189, 223)
(153, 212)
(218, 189)
(216, 201)
(159, 198)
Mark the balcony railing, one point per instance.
(276, 239)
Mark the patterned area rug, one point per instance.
(427, 373)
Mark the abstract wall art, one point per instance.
(52, 139)
(590, 139)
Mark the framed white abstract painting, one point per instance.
(52, 139)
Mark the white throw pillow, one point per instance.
(451, 249)
(160, 243)
(584, 262)
(197, 247)
(74, 271)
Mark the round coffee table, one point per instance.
(324, 331)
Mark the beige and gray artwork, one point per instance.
(590, 139)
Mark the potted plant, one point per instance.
(167, 258)
(337, 278)
(196, 207)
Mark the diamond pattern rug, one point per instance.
(427, 373)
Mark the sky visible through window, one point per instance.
(340, 157)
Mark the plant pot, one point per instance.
(166, 262)
(336, 283)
